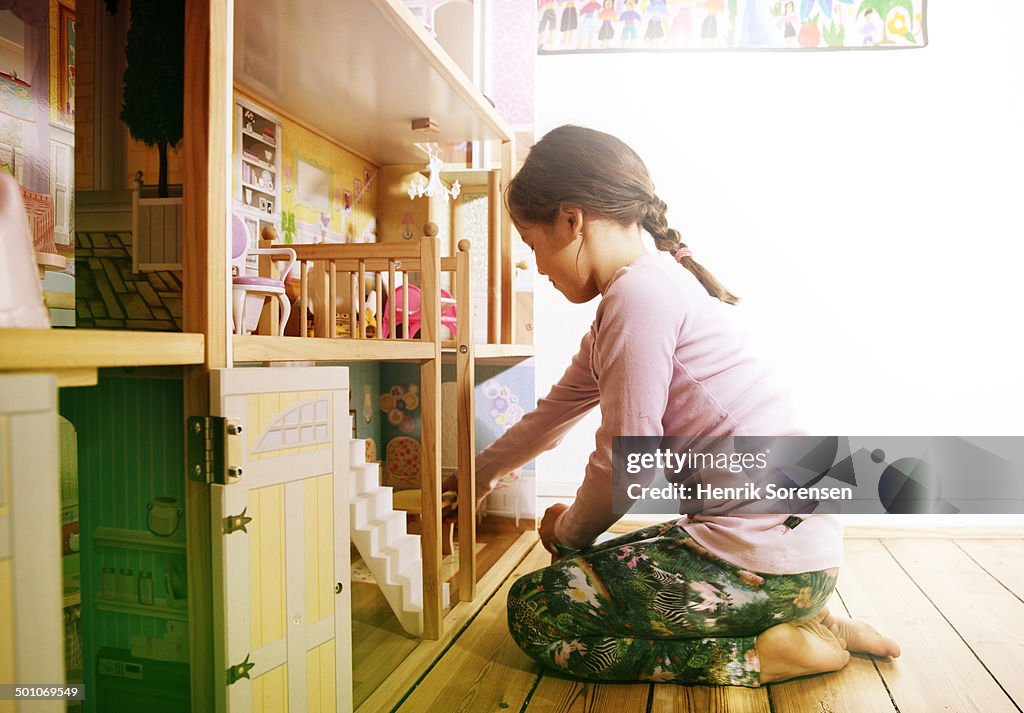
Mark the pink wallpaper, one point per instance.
(514, 47)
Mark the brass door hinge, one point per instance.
(214, 449)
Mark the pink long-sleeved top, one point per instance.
(662, 358)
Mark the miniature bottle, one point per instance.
(108, 586)
(126, 586)
(145, 587)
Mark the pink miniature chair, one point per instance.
(447, 310)
(250, 292)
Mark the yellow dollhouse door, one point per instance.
(31, 621)
(281, 542)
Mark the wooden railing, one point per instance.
(328, 269)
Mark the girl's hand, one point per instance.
(547, 530)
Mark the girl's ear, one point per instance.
(573, 217)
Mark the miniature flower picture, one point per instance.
(399, 403)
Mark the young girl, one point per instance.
(708, 599)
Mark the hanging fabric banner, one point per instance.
(678, 25)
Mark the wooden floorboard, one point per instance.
(668, 698)
(483, 670)
(937, 671)
(988, 617)
(1003, 559)
(555, 694)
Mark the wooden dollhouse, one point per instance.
(278, 501)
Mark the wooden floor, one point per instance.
(954, 604)
(379, 643)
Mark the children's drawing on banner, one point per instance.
(665, 25)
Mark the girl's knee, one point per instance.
(530, 616)
(523, 586)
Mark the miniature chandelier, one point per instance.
(432, 186)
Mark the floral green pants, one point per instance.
(653, 605)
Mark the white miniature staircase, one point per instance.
(378, 531)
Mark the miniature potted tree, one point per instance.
(154, 96)
(154, 80)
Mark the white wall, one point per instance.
(863, 205)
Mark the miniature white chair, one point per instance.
(509, 482)
(250, 292)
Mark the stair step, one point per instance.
(357, 451)
(400, 556)
(370, 505)
(363, 477)
(408, 613)
(382, 531)
(411, 583)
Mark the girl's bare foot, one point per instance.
(859, 636)
(790, 650)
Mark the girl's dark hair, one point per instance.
(607, 179)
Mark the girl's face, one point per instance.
(557, 249)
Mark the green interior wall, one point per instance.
(130, 449)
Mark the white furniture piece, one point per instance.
(257, 159)
(250, 292)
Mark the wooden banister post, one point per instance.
(508, 286)
(206, 144)
(430, 433)
(465, 378)
(494, 256)
(270, 317)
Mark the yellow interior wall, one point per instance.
(139, 157)
(395, 206)
(345, 169)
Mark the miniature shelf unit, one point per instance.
(257, 194)
(376, 68)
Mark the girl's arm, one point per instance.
(634, 357)
(569, 400)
